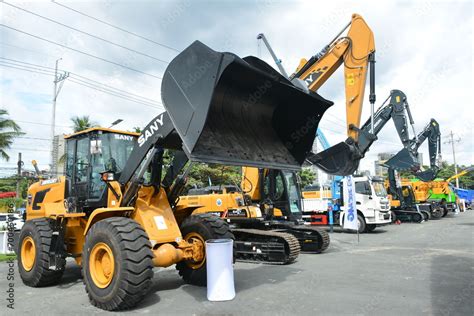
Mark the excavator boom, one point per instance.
(356, 51)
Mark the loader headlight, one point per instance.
(108, 176)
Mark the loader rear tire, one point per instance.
(201, 228)
(33, 254)
(117, 264)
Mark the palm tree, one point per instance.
(8, 131)
(81, 123)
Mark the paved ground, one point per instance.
(411, 269)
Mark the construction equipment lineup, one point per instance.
(123, 208)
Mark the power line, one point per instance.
(38, 72)
(82, 77)
(88, 34)
(81, 52)
(87, 83)
(117, 27)
(37, 123)
(30, 50)
(34, 138)
(73, 80)
(29, 149)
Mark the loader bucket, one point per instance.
(239, 111)
(341, 159)
(403, 160)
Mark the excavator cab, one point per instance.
(281, 190)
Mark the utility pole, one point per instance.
(58, 84)
(19, 165)
(452, 141)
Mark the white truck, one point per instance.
(373, 208)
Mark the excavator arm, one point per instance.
(356, 50)
(460, 174)
(397, 110)
(407, 157)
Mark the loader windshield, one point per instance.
(109, 152)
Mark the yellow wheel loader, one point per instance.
(265, 214)
(113, 211)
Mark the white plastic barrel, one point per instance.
(220, 273)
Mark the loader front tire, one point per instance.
(199, 228)
(33, 254)
(117, 264)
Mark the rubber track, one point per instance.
(323, 237)
(288, 239)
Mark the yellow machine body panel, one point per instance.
(249, 182)
(220, 203)
(46, 198)
(154, 214)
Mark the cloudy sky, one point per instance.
(424, 48)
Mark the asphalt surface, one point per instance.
(408, 269)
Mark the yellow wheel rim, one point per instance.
(101, 265)
(197, 239)
(28, 253)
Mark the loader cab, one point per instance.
(88, 154)
(283, 189)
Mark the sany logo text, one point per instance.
(150, 130)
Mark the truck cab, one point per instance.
(373, 206)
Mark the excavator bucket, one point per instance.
(427, 175)
(403, 160)
(239, 111)
(341, 159)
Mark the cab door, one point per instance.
(364, 196)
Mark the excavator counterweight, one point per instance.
(239, 111)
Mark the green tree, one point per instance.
(137, 129)
(201, 174)
(81, 123)
(8, 131)
(307, 177)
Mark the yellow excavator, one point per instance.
(113, 211)
(265, 215)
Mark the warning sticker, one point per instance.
(160, 222)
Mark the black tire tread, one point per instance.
(42, 276)
(136, 265)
